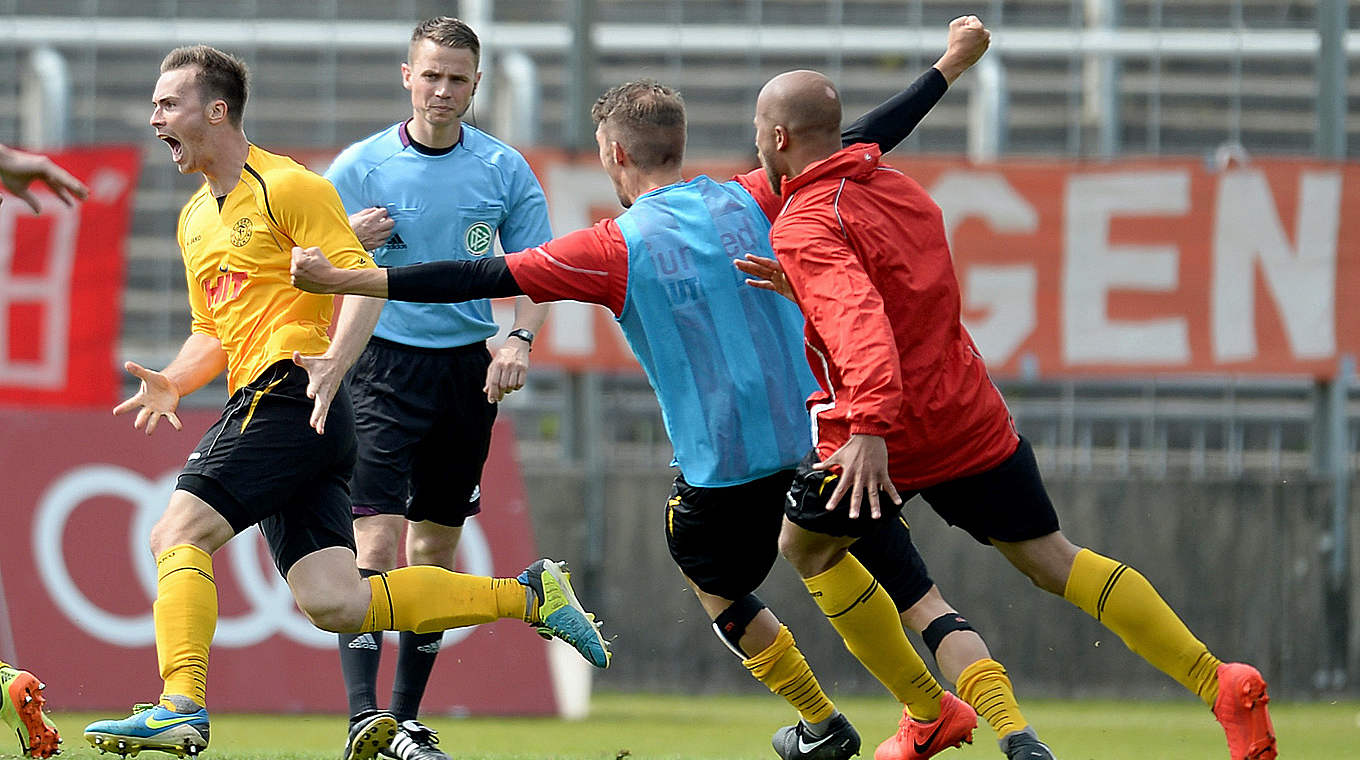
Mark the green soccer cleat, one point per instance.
(562, 614)
(21, 707)
(154, 727)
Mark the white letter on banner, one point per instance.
(1302, 280)
(1006, 293)
(51, 290)
(1093, 267)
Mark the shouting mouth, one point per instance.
(176, 147)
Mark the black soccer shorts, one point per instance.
(1006, 503)
(424, 428)
(262, 462)
(726, 539)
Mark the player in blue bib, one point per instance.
(724, 360)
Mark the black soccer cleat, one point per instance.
(797, 742)
(1025, 745)
(415, 741)
(369, 734)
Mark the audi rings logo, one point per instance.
(245, 559)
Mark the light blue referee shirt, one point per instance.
(446, 204)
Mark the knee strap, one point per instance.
(730, 624)
(943, 626)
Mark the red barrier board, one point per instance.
(61, 283)
(1069, 269)
(77, 582)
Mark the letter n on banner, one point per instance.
(61, 276)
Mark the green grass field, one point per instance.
(738, 728)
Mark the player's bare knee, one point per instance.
(331, 614)
(809, 559)
(375, 550)
(432, 550)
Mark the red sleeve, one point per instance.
(845, 310)
(757, 183)
(589, 265)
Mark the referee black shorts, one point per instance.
(262, 462)
(424, 428)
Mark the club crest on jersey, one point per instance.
(477, 239)
(241, 231)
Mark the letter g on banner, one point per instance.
(271, 602)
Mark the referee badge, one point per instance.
(477, 239)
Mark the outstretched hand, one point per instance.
(765, 273)
(863, 461)
(19, 169)
(158, 397)
(324, 374)
(968, 40)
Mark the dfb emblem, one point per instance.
(478, 238)
(240, 232)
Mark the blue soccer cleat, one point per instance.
(561, 613)
(153, 727)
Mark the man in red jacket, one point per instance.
(906, 406)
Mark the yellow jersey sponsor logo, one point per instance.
(223, 288)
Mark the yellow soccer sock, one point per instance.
(426, 599)
(864, 615)
(784, 670)
(1126, 603)
(185, 615)
(986, 687)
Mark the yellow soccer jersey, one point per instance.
(236, 260)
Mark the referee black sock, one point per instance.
(415, 659)
(360, 654)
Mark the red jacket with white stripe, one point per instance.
(864, 249)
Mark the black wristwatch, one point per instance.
(523, 335)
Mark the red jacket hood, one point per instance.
(854, 162)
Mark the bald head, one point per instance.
(798, 122)
(803, 102)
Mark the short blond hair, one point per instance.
(446, 31)
(220, 76)
(648, 118)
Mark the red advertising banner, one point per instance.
(1127, 267)
(77, 582)
(61, 283)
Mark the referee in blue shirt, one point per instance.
(425, 389)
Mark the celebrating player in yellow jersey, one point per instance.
(283, 450)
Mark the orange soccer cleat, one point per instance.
(21, 708)
(916, 740)
(1241, 708)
